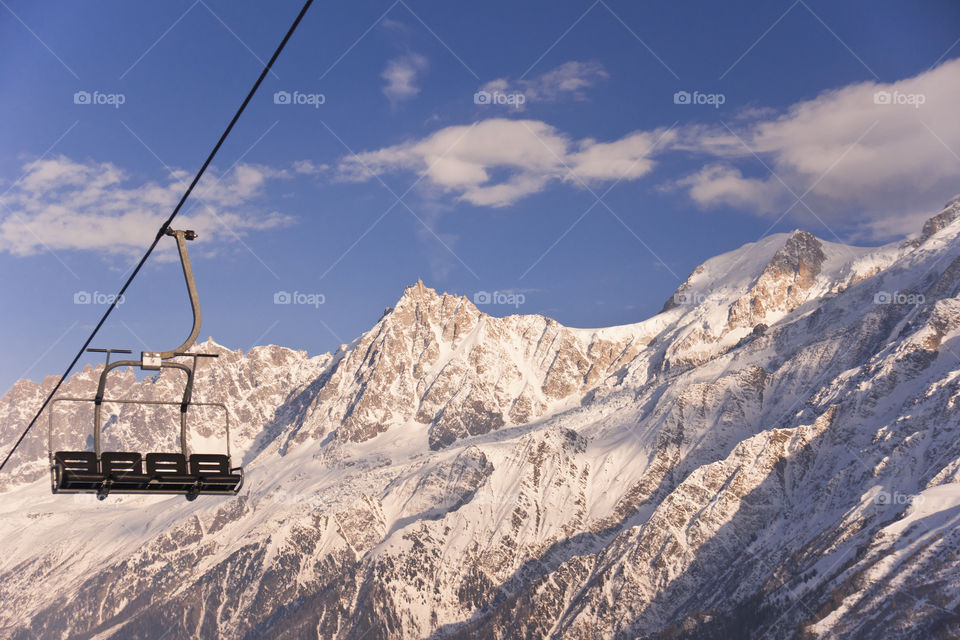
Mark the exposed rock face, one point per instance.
(784, 283)
(438, 361)
(940, 221)
(777, 454)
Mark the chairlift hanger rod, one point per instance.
(182, 237)
(163, 228)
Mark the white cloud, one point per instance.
(526, 155)
(564, 82)
(401, 75)
(628, 158)
(866, 160)
(63, 204)
(309, 167)
(722, 184)
(880, 168)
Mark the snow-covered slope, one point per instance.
(773, 455)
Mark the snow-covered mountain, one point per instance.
(775, 455)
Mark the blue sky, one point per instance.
(545, 149)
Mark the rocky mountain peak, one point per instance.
(435, 362)
(422, 305)
(942, 220)
(801, 255)
(418, 292)
(798, 261)
(784, 283)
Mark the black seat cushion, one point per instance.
(77, 461)
(164, 464)
(121, 463)
(168, 472)
(79, 470)
(124, 470)
(209, 464)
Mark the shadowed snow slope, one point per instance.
(776, 453)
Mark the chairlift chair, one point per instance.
(123, 472)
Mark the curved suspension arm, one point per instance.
(182, 237)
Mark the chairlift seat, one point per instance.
(78, 470)
(213, 472)
(123, 470)
(168, 472)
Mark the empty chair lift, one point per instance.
(180, 472)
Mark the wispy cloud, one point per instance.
(566, 82)
(309, 167)
(402, 76)
(64, 204)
